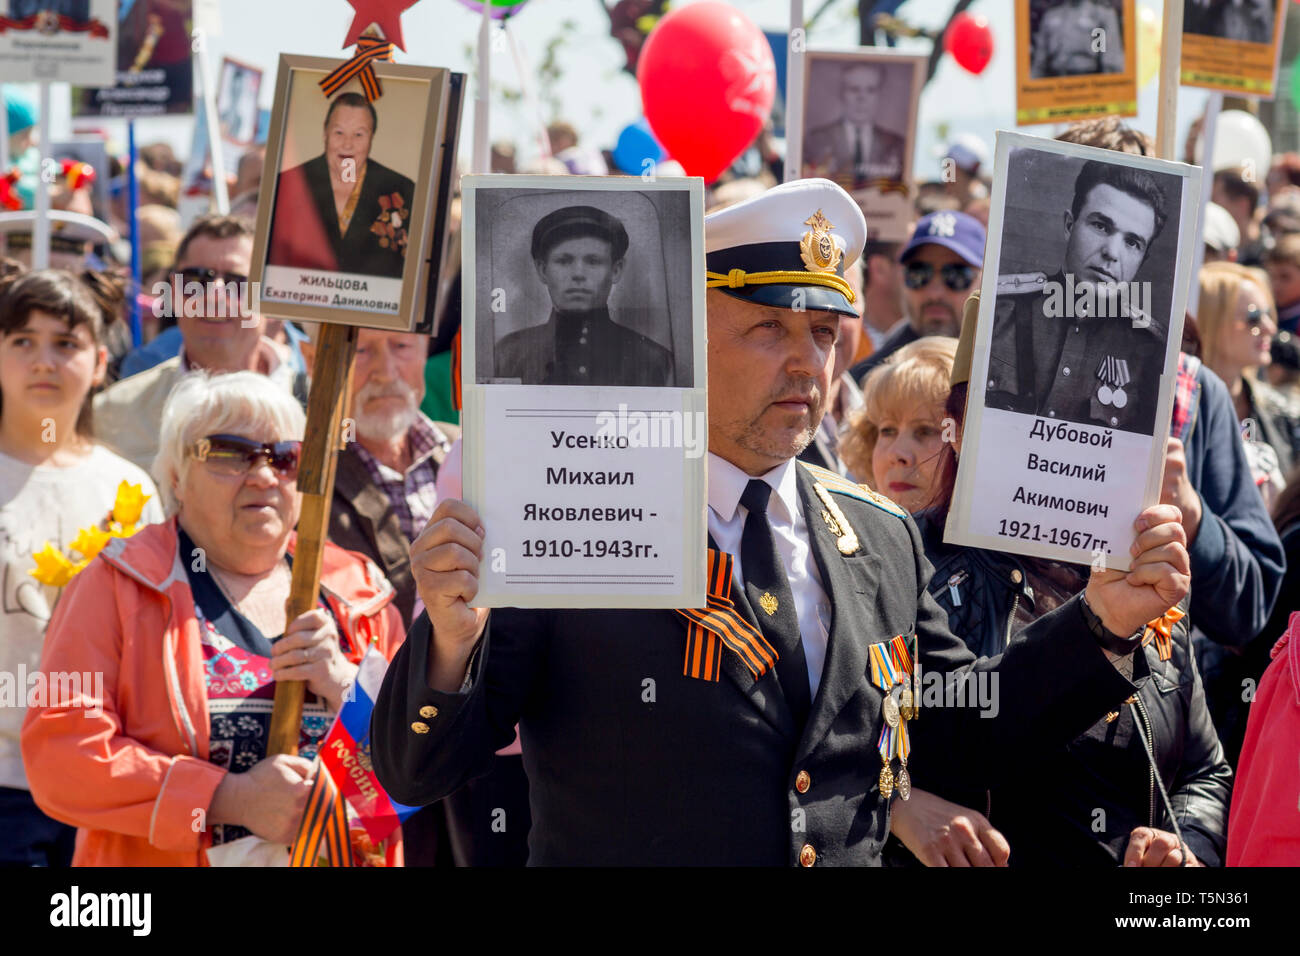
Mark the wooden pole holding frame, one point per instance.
(330, 385)
(1171, 65)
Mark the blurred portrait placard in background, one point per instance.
(1075, 59)
(237, 92)
(1233, 45)
(155, 73)
(59, 41)
(1080, 323)
(343, 234)
(859, 130)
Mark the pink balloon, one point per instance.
(707, 83)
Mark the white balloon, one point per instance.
(1240, 140)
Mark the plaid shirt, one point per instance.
(413, 495)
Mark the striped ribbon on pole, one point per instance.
(369, 49)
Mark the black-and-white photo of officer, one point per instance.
(1082, 337)
(1250, 21)
(1075, 37)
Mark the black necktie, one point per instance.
(857, 153)
(768, 590)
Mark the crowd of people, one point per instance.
(170, 467)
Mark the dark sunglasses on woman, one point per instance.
(957, 276)
(235, 455)
(1255, 316)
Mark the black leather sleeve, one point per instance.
(1043, 691)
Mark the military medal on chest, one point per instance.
(894, 672)
(1113, 375)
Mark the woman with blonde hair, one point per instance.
(1237, 321)
(896, 438)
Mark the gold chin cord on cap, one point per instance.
(737, 278)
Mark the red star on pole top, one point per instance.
(386, 14)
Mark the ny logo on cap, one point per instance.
(943, 224)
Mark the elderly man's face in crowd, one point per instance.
(347, 142)
(769, 375)
(935, 309)
(859, 89)
(1110, 239)
(238, 513)
(220, 338)
(579, 273)
(387, 382)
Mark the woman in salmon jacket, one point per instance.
(183, 625)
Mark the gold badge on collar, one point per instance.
(845, 538)
(768, 603)
(817, 248)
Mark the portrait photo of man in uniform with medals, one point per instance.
(1081, 319)
(576, 290)
(1077, 331)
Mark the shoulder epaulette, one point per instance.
(838, 484)
(1019, 282)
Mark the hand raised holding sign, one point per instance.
(445, 562)
(1159, 577)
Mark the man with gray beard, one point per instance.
(384, 488)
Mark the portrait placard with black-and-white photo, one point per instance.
(1233, 45)
(1080, 324)
(859, 130)
(584, 373)
(66, 41)
(351, 193)
(1075, 59)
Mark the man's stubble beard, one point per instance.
(753, 437)
(386, 426)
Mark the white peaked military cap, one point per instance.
(788, 247)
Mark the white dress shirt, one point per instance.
(790, 530)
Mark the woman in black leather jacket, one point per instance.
(1082, 804)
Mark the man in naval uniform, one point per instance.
(776, 727)
(579, 253)
(1076, 346)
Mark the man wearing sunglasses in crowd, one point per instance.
(210, 300)
(941, 267)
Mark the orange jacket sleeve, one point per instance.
(81, 766)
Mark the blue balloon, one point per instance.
(636, 144)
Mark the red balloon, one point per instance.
(970, 41)
(707, 82)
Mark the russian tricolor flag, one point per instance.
(346, 754)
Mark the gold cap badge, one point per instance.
(817, 248)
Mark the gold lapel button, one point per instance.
(802, 781)
(807, 856)
(428, 711)
(420, 727)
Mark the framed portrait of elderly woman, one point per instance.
(584, 388)
(352, 208)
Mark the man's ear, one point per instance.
(1069, 223)
(617, 269)
(540, 266)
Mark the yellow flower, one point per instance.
(90, 541)
(129, 504)
(52, 567)
(116, 530)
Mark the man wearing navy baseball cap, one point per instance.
(941, 265)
